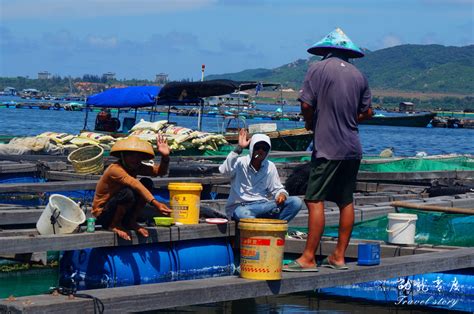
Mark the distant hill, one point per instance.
(421, 68)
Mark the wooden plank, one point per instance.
(19, 216)
(90, 184)
(415, 175)
(33, 242)
(68, 176)
(18, 232)
(433, 207)
(327, 246)
(17, 167)
(209, 290)
(389, 187)
(48, 186)
(273, 154)
(38, 257)
(190, 169)
(46, 158)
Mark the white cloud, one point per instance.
(390, 41)
(21, 9)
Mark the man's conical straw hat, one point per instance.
(336, 40)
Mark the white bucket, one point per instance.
(68, 215)
(401, 228)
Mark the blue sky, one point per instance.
(140, 38)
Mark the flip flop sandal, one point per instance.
(295, 234)
(327, 263)
(296, 267)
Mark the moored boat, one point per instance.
(421, 119)
(284, 140)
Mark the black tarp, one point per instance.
(192, 91)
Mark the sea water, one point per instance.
(406, 141)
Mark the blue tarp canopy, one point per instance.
(134, 97)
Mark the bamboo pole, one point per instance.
(427, 207)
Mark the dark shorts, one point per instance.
(332, 180)
(124, 196)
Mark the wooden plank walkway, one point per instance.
(7, 167)
(183, 293)
(27, 242)
(328, 244)
(14, 214)
(90, 184)
(415, 175)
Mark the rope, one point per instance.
(54, 219)
(98, 304)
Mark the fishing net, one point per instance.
(421, 164)
(431, 228)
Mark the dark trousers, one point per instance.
(125, 197)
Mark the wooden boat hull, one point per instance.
(285, 140)
(406, 120)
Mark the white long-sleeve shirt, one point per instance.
(248, 185)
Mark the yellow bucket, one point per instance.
(185, 199)
(262, 243)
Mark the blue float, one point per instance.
(368, 254)
(453, 290)
(204, 258)
(109, 267)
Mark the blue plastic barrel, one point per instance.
(117, 266)
(204, 258)
(147, 263)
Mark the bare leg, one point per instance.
(116, 224)
(346, 222)
(139, 229)
(133, 219)
(315, 230)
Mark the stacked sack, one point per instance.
(179, 138)
(68, 142)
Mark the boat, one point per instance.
(235, 99)
(419, 119)
(284, 140)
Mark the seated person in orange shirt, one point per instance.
(119, 195)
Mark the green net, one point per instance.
(421, 164)
(431, 228)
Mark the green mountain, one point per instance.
(418, 68)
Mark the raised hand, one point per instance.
(243, 140)
(162, 145)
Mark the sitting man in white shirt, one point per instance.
(254, 179)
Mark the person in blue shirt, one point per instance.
(256, 190)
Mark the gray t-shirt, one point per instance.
(338, 92)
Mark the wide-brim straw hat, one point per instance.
(132, 144)
(336, 40)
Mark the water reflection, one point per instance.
(305, 302)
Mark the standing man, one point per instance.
(334, 98)
(253, 180)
